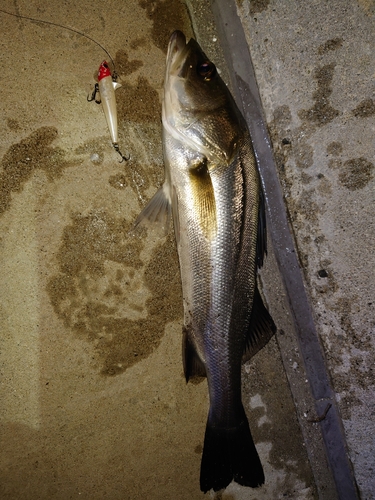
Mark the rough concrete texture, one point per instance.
(314, 63)
(94, 402)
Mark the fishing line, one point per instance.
(65, 28)
(113, 74)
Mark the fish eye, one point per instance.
(207, 70)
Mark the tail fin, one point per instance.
(230, 453)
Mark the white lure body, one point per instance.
(107, 89)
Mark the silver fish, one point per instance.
(213, 190)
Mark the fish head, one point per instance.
(198, 109)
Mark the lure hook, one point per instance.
(93, 95)
(117, 149)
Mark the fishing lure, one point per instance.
(106, 87)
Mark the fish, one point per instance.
(213, 193)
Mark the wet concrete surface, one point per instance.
(94, 402)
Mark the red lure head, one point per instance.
(104, 71)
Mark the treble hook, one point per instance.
(93, 95)
(115, 145)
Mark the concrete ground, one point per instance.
(94, 403)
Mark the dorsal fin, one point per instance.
(261, 249)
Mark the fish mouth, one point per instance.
(177, 42)
(177, 52)
(174, 79)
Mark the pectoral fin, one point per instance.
(261, 328)
(204, 198)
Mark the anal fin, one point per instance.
(193, 365)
